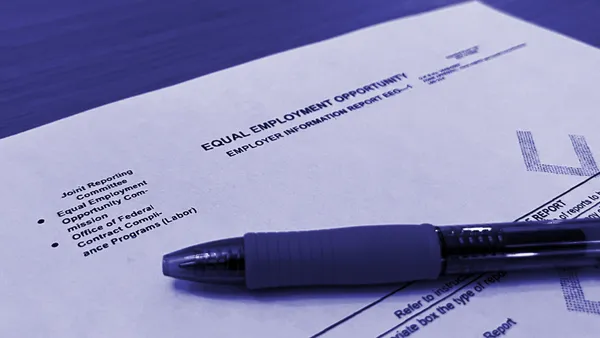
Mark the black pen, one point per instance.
(386, 254)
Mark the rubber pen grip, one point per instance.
(378, 254)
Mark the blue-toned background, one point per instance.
(61, 57)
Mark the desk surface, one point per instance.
(59, 58)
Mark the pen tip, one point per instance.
(214, 262)
(165, 267)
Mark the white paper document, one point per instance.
(461, 115)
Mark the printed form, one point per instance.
(461, 115)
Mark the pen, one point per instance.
(385, 254)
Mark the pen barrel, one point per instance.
(359, 255)
(519, 246)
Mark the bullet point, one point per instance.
(54, 245)
(40, 221)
